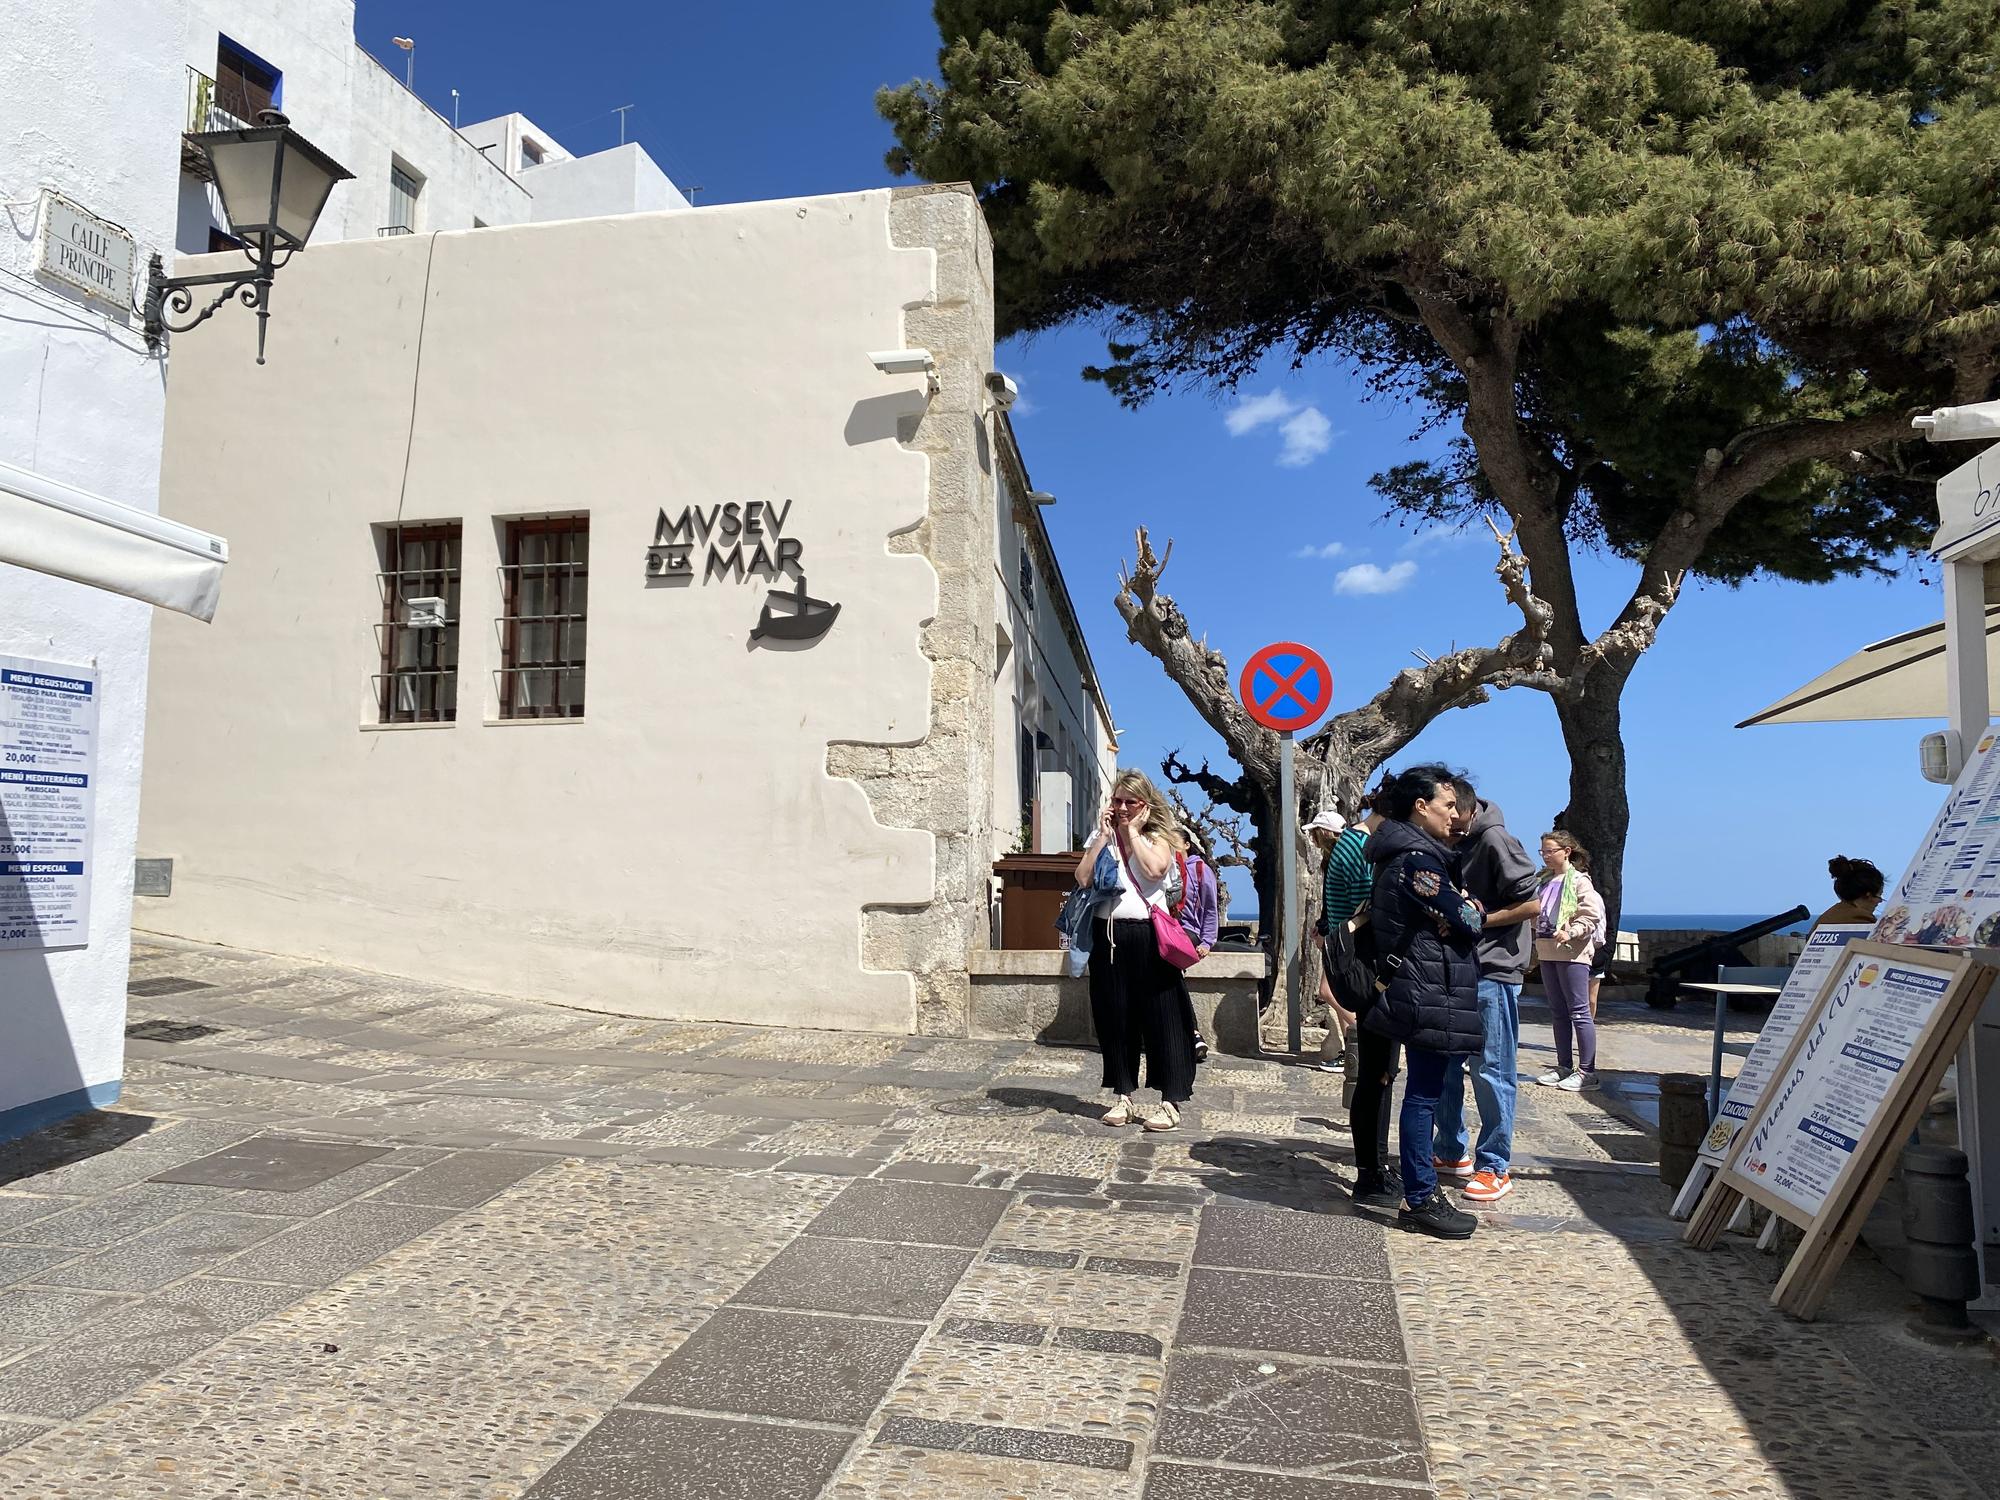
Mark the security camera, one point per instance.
(1005, 392)
(903, 361)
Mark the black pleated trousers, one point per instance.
(1139, 1004)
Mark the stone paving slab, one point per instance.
(853, 1276)
(180, 1247)
(273, 1164)
(322, 1250)
(1332, 1420)
(1171, 1481)
(98, 1223)
(891, 1472)
(110, 1355)
(817, 1369)
(913, 1212)
(1355, 1320)
(463, 1179)
(656, 1455)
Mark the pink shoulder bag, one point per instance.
(1168, 934)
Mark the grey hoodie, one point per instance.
(1496, 871)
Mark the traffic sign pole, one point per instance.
(1286, 687)
(1288, 893)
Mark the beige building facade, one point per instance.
(609, 624)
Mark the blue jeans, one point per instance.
(1423, 1076)
(1493, 1084)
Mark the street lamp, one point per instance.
(273, 183)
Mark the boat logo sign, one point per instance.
(733, 542)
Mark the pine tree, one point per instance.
(1679, 271)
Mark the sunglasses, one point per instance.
(1128, 801)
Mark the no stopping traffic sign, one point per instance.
(1285, 686)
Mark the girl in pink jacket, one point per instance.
(1568, 932)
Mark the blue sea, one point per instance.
(1636, 921)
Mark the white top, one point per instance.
(1134, 902)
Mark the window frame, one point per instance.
(398, 168)
(513, 530)
(393, 538)
(244, 77)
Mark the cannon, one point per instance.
(1699, 961)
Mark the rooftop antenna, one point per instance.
(620, 112)
(454, 109)
(409, 46)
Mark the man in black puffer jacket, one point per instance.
(1426, 933)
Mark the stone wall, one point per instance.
(944, 782)
(1025, 994)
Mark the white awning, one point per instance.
(1900, 678)
(55, 528)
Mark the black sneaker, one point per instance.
(1377, 1190)
(1200, 1048)
(1435, 1216)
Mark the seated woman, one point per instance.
(1858, 884)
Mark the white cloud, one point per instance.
(1305, 430)
(1440, 536)
(1307, 436)
(1330, 550)
(1251, 412)
(1367, 578)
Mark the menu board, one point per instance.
(48, 802)
(1950, 895)
(1800, 995)
(1811, 1125)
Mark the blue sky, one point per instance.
(776, 100)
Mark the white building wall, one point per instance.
(82, 404)
(1042, 686)
(621, 180)
(503, 137)
(346, 102)
(389, 123)
(679, 851)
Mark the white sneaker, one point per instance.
(1551, 1079)
(1572, 1084)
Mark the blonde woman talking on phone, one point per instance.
(1136, 997)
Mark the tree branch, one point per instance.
(1236, 794)
(1154, 621)
(1353, 744)
(1728, 476)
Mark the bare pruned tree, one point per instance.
(1336, 762)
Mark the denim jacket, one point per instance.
(1080, 905)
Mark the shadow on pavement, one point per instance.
(1843, 1406)
(69, 1141)
(1291, 1173)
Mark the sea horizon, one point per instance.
(1645, 921)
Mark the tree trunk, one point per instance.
(1599, 813)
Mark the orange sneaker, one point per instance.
(1458, 1171)
(1488, 1187)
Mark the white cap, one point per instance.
(1328, 821)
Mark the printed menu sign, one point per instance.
(1950, 895)
(1801, 992)
(48, 800)
(1811, 1123)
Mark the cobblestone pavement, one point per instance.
(354, 1237)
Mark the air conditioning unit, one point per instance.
(424, 614)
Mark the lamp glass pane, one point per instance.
(302, 193)
(243, 177)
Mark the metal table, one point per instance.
(1722, 993)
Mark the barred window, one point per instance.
(418, 680)
(545, 586)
